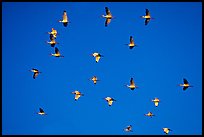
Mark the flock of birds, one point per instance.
(132, 85)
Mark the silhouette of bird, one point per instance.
(94, 79)
(35, 72)
(53, 33)
(131, 44)
(185, 85)
(128, 128)
(149, 114)
(156, 101)
(52, 42)
(77, 95)
(166, 130)
(109, 100)
(97, 56)
(108, 16)
(57, 53)
(65, 19)
(41, 112)
(132, 85)
(147, 17)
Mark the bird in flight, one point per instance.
(41, 112)
(35, 72)
(52, 42)
(156, 101)
(94, 79)
(108, 16)
(53, 33)
(131, 44)
(109, 100)
(166, 130)
(128, 128)
(57, 53)
(77, 95)
(147, 17)
(149, 114)
(185, 85)
(132, 85)
(65, 19)
(97, 56)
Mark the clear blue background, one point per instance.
(169, 49)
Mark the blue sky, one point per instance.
(169, 49)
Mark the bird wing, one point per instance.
(107, 22)
(56, 50)
(132, 81)
(147, 12)
(156, 103)
(41, 110)
(77, 96)
(65, 18)
(131, 40)
(185, 81)
(52, 37)
(107, 11)
(184, 88)
(110, 102)
(147, 21)
(35, 74)
(97, 58)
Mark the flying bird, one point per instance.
(65, 19)
(109, 100)
(57, 53)
(156, 101)
(97, 56)
(185, 85)
(35, 72)
(166, 130)
(94, 79)
(108, 16)
(147, 17)
(53, 33)
(132, 85)
(52, 42)
(149, 114)
(77, 95)
(131, 44)
(128, 128)
(41, 112)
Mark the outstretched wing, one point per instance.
(147, 12)
(77, 96)
(131, 40)
(132, 81)
(97, 58)
(184, 88)
(107, 22)
(65, 19)
(41, 110)
(35, 74)
(185, 81)
(56, 50)
(147, 21)
(107, 11)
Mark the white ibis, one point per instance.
(108, 16)
(57, 53)
(41, 112)
(109, 100)
(156, 101)
(166, 130)
(77, 95)
(149, 114)
(128, 128)
(65, 19)
(132, 85)
(147, 17)
(94, 79)
(97, 56)
(53, 33)
(131, 44)
(35, 72)
(185, 85)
